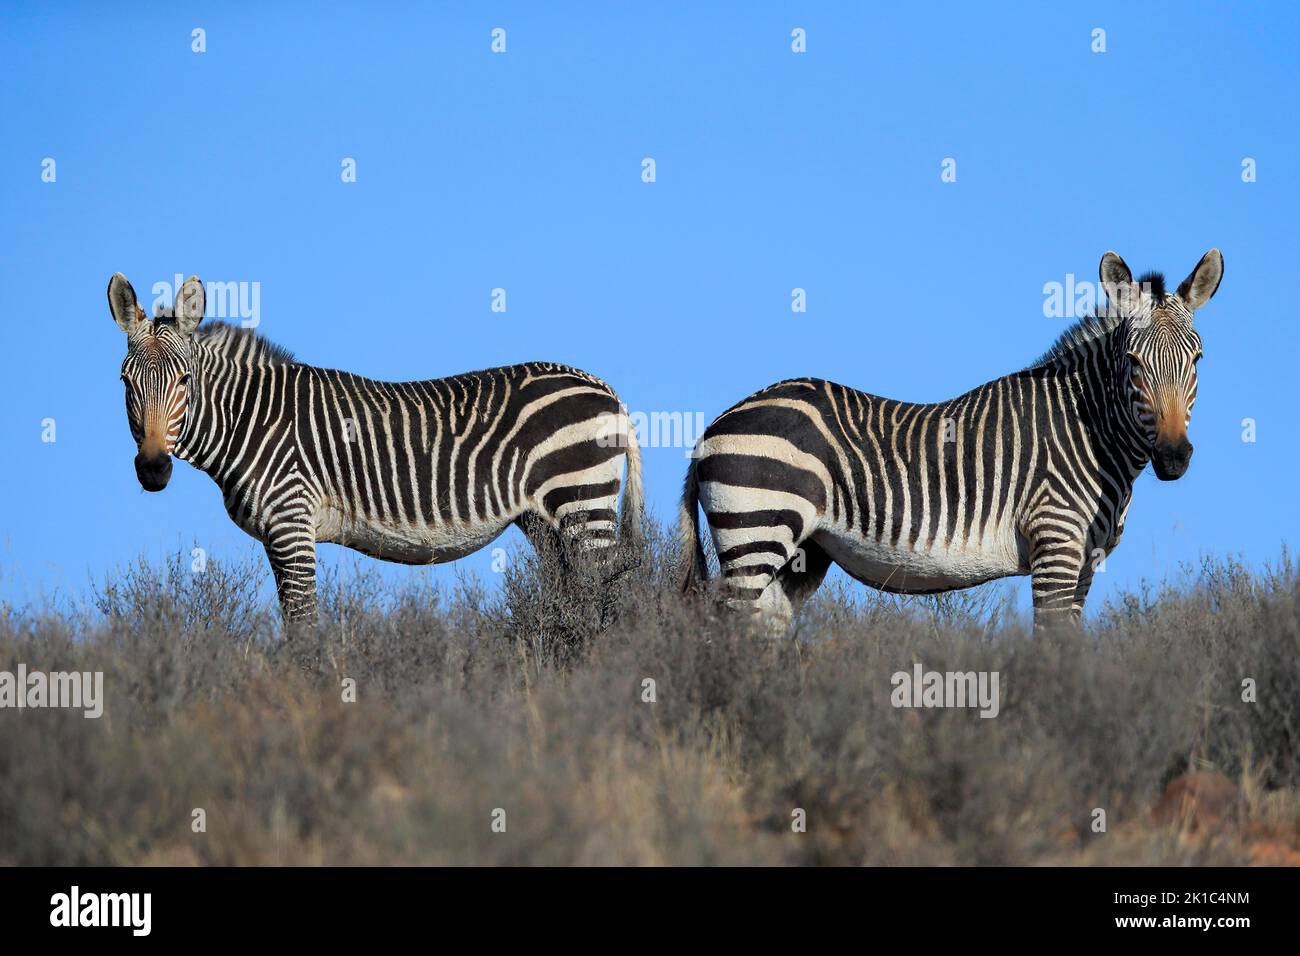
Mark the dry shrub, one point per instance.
(529, 698)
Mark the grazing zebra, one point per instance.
(1031, 473)
(416, 472)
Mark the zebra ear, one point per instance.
(1118, 282)
(122, 305)
(1200, 286)
(189, 307)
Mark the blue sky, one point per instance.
(522, 171)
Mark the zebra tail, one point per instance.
(633, 491)
(695, 571)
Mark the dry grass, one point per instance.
(471, 700)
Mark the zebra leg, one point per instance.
(584, 519)
(563, 538)
(1081, 592)
(751, 561)
(803, 574)
(1056, 566)
(791, 587)
(588, 528)
(542, 535)
(1101, 541)
(292, 553)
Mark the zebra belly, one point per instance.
(408, 545)
(907, 571)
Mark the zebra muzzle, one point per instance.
(154, 471)
(1170, 459)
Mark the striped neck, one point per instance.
(218, 413)
(1099, 369)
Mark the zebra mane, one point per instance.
(1093, 326)
(242, 344)
(1077, 337)
(1153, 284)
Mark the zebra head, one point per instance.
(1161, 349)
(156, 373)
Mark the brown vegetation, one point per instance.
(469, 700)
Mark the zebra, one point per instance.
(1031, 473)
(414, 472)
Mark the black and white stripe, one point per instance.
(1031, 473)
(416, 472)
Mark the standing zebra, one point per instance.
(416, 472)
(1031, 473)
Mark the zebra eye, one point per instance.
(185, 379)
